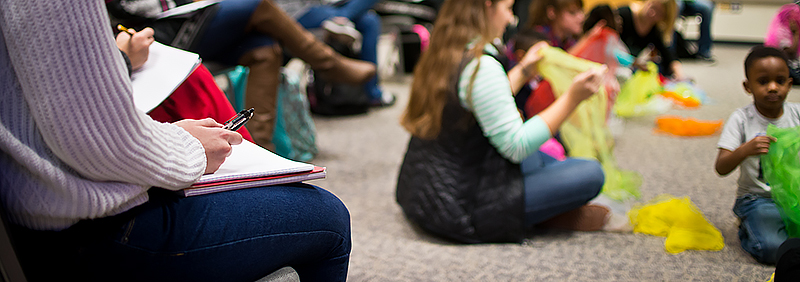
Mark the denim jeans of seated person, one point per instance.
(554, 187)
(761, 230)
(240, 235)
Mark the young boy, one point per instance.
(744, 139)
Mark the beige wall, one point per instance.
(746, 22)
(736, 21)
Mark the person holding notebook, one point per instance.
(197, 97)
(78, 163)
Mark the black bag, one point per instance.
(337, 99)
(412, 44)
(406, 15)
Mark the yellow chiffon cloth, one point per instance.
(585, 133)
(639, 95)
(680, 221)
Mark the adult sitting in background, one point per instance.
(78, 163)
(245, 32)
(649, 24)
(198, 97)
(562, 22)
(472, 171)
(350, 22)
(704, 8)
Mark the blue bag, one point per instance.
(295, 134)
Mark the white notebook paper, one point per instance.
(248, 160)
(165, 69)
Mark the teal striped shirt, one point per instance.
(496, 112)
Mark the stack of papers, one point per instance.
(252, 166)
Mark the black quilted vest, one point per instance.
(458, 186)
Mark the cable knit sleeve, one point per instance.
(79, 94)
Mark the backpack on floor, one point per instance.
(413, 20)
(337, 99)
(295, 134)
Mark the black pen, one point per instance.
(239, 120)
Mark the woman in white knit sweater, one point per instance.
(78, 164)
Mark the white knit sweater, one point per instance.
(72, 144)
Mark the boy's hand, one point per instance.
(757, 146)
(215, 140)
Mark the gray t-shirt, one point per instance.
(745, 124)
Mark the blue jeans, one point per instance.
(705, 9)
(240, 235)
(554, 187)
(367, 22)
(225, 39)
(761, 230)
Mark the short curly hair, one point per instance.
(760, 52)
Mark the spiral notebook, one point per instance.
(252, 166)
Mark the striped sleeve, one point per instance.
(493, 106)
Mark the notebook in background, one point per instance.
(165, 69)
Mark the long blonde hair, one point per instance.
(458, 23)
(667, 24)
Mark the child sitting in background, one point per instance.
(560, 20)
(537, 94)
(767, 79)
(519, 45)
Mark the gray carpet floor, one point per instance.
(363, 154)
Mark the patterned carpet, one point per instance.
(363, 154)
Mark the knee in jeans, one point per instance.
(763, 248)
(339, 216)
(340, 221)
(593, 173)
(769, 250)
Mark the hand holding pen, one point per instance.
(215, 139)
(136, 45)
